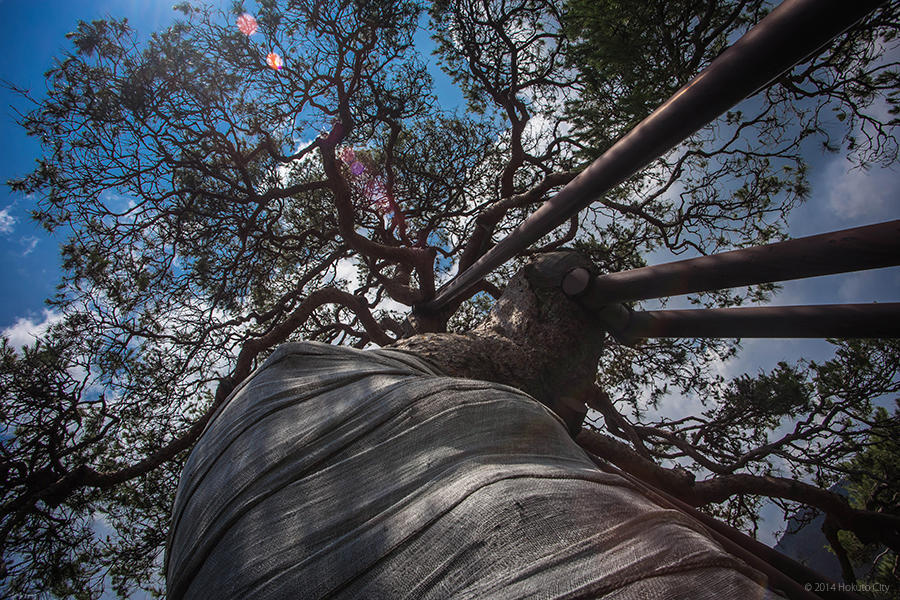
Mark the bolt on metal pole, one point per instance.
(790, 33)
(868, 247)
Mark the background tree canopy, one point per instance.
(215, 207)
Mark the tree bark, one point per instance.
(535, 339)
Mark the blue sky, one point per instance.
(34, 33)
(841, 196)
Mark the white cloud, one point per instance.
(391, 304)
(443, 278)
(29, 242)
(539, 132)
(24, 331)
(858, 194)
(879, 285)
(7, 221)
(675, 406)
(284, 170)
(346, 270)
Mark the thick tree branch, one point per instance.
(620, 454)
(421, 259)
(487, 221)
(599, 400)
(54, 493)
(831, 534)
(867, 525)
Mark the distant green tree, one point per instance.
(631, 56)
(873, 477)
(809, 422)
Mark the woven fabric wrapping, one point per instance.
(340, 473)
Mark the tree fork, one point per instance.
(535, 339)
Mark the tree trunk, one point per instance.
(334, 472)
(535, 339)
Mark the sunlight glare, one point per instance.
(247, 24)
(274, 61)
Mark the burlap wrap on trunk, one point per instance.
(341, 473)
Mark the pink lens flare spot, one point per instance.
(357, 168)
(274, 61)
(348, 156)
(247, 24)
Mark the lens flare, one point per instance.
(274, 61)
(246, 24)
(348, 156)
(374, 189)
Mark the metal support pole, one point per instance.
(789, 34)
(869, 247)
(822, 321)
